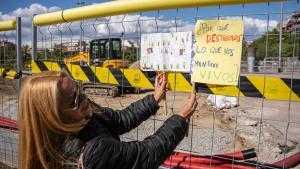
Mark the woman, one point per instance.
(58, 128)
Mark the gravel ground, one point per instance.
(223, 131)
(8, 148)
(211, 131)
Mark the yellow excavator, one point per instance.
(103, 53)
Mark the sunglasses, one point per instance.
(76, 102)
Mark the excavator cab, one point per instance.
(102, 53)
(107, 53)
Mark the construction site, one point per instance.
(254, 124)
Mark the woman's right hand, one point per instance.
(189, 106)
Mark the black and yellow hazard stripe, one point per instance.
(8, 74)
(119, 75)
(294, 84)
(250, 86)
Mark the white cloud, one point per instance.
(33, 9)
(255, 26)
(147, 24)
(26, 14)
(4, 17)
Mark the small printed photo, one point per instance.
(181, 52)
(149, 50)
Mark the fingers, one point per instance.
(161, 80)
(192, 96)
(159, 75)
(192, 101)
(195, 105)
(157, 79)
(189, 106)
(165, 75)
(167, 86)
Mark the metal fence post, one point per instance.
(280, 39)
(19, 53)
(34, 41)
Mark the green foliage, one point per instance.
(26, 59)
(58, 53)
(8, 56)
(129, 55)
(8, 53)
(244, 50)
(5, 66)
(272, 47)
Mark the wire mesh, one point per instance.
(8, 101)
(212, 131)
(271, 127)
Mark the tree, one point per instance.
(26, 57)
(129, 55)
(271, 38)
(7, 55)
(244, 50)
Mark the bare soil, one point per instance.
(271, 127)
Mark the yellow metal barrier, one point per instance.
(7, 25)
(129, 6)
(251, 86)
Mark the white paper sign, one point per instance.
(166, 51)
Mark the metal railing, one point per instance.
(266, 125)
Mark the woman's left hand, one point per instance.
(161, 86)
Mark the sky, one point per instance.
(255, 16)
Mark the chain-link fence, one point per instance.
(10, 41)
(262, 114)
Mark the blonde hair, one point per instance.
(41, 130)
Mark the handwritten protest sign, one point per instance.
(217, 51)
(166, 51)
